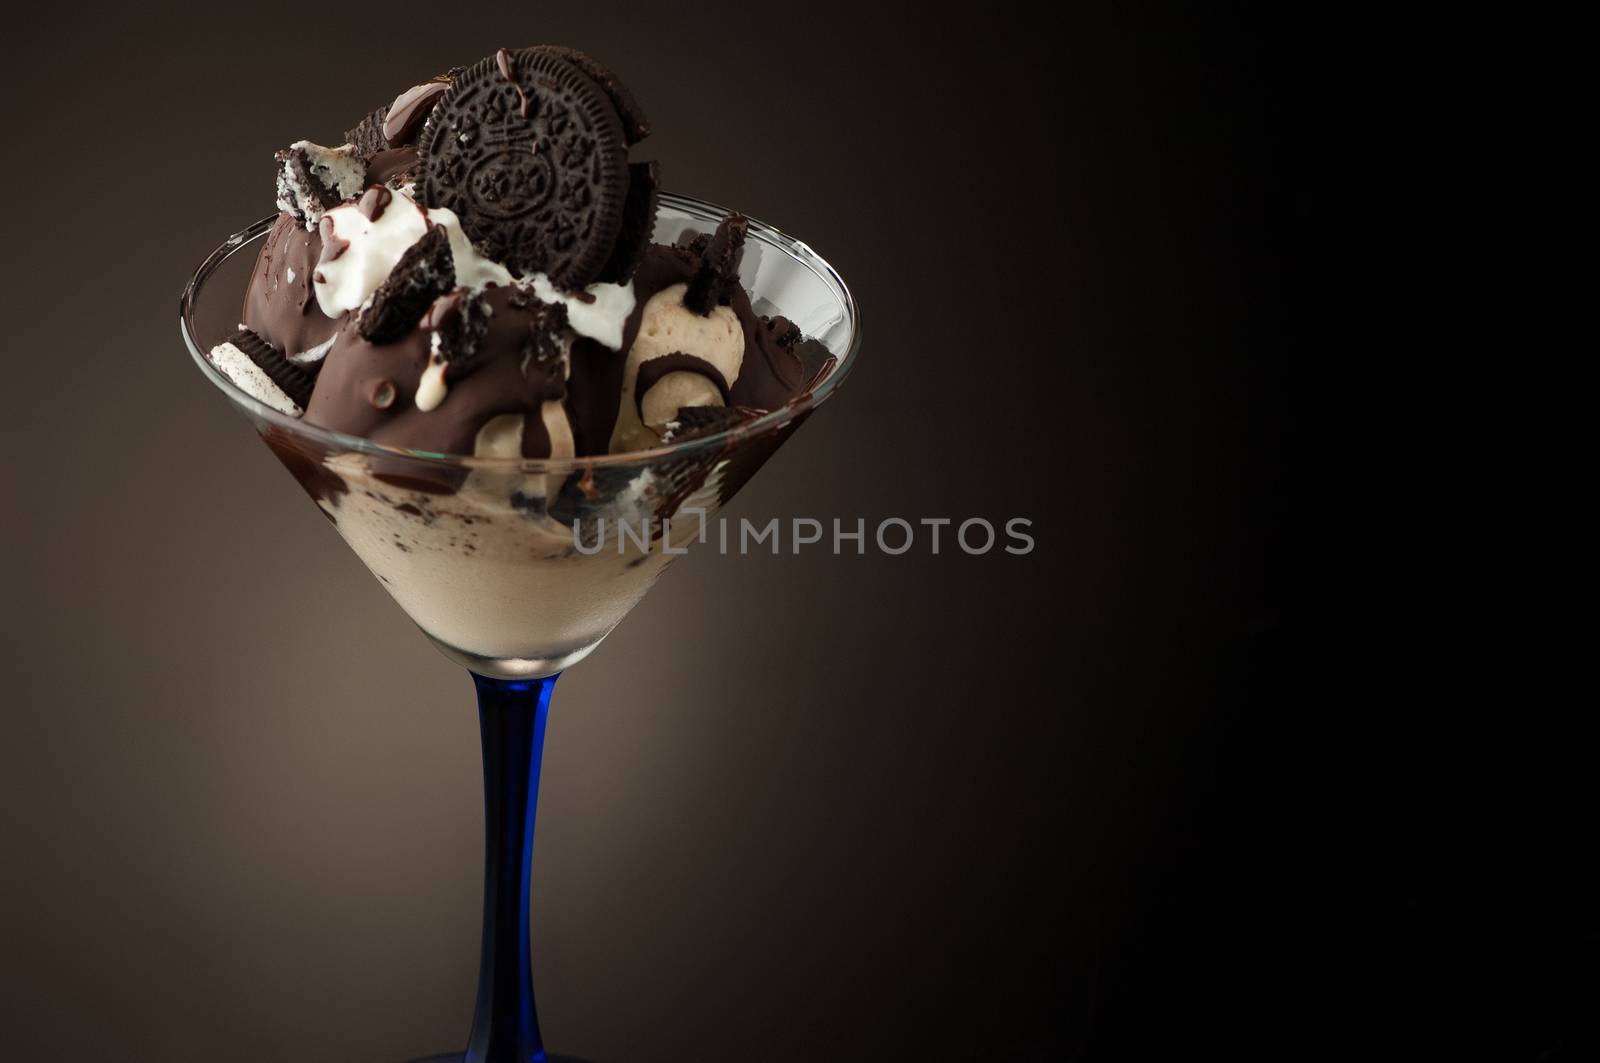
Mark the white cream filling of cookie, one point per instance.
(340, 169)
(248, 378)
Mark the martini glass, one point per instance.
(518, 568)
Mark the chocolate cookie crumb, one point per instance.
(424, 273)
(459, 321)
(718, 272)
(695, 422)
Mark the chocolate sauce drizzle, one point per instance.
(502, 59)
(651, 372)
(332, 245)
(409, 110)
(373, 201)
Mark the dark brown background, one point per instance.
(1118, 277)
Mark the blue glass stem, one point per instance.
(512, 715)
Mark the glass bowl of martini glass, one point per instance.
(518, 568)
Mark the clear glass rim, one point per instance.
(700, 210)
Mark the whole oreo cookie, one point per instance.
(531, 155)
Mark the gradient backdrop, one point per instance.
(1087, 804)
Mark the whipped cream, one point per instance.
(372, 248)
(313, 355)
(600, 313)
(347, 280)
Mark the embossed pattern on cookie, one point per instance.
(531, 155)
